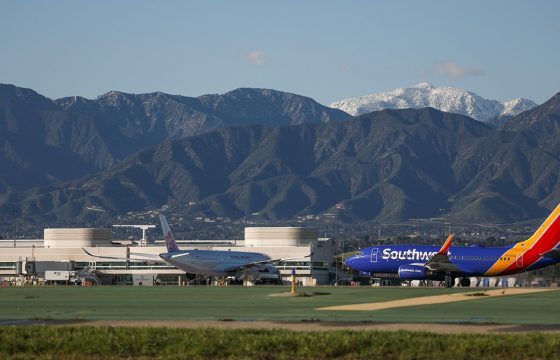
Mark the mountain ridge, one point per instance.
(445, 98)
(386, 166)
(120, 153)
(46, 141)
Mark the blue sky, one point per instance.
(327, 50)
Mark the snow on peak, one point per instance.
(424, 85)
(445, 98)
(516, 106)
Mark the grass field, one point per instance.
(257, 303)
(126, 343)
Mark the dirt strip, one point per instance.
(437, 299)
(437, 328)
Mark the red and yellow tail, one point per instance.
(526, 253)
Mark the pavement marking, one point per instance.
(435, 299)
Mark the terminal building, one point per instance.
(61, 252)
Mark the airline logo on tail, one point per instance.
(170, 242)
(526, 253)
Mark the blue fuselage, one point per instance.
(471, 261)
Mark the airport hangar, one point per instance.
(61, 252)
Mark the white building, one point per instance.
(62, 249)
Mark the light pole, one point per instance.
(336, 260)
(14, 214)
(442, 223)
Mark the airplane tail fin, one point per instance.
(168, 235)
(547, 235)
(446, 245)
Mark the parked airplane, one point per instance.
(220, 263)
(414, 262)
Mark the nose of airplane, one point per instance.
(350, 261)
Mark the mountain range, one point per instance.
(279, 154)
(444, 98)
(45, 142)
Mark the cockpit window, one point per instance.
(360, 253)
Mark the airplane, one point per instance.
(219, 263)
(447, 263)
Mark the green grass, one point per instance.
(535, 308)
(126, 343)
(255, 303)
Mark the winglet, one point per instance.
(102, 257)
(170, 242)
(446, 245)
(87, 252)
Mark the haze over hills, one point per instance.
(444, 98)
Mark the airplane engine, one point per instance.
(418, 272)
(412, 272)
(190, 276)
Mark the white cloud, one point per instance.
(346, 68)
(454, 70)
(257, 57)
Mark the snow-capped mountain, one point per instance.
(445, 98)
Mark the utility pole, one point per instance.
(336, 259)
(14, 214)
(112, 214)
(442, 223)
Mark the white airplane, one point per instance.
(220, 263)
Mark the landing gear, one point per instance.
(465, 282)
(449, 281)
(190, 276)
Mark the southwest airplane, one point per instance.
(412, 262)
(220, 263)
